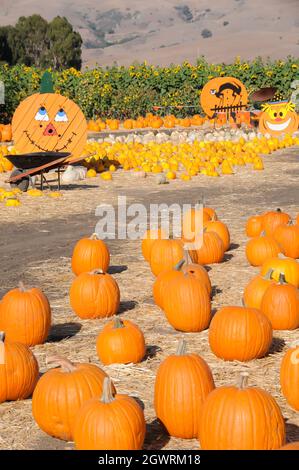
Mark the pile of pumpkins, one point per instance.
(78, 402)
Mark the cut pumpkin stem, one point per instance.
(243, 380)
(94, 236)
(108, 394)
(182, 348)
(118, 323)
(2, 336)
(64, 363)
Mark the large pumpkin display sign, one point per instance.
(49, 122)
(223, 94)
(278, 118)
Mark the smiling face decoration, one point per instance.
(278, 118)
(223, 94)
(49, 122)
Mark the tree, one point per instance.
(65, 44)
(34, 41)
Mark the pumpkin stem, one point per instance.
(2, 336)
(182, 348)
(282, 280)
(107, 394)
(21, 286)
(65, 364)
(97, 271)
(94, 236)
(278, 209)
(118, 323)
(268, 275)
(243, 380)
(243, 303)
(179, 265)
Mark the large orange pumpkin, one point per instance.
(90, 253)
(148, 240)
(240, 334)
(289, 376)
(183, 383)
(25, 315)
(200, 273)
(161, 283)
(278, 118)
(287, 237)
(254, 226)
(18, 370)
(47, 121)
(273, 219)
(280, 304)
(223, 94)
(194, 220)
(94, 295)
(241, 418)
(122, 342)
(221, 229)
(112, 422)
(187, 306)
(281, 265)
(259, 249)
(61, 392)
(165, 254)
(210, 251)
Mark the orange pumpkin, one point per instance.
(259, 249)
(18, 370)
(94, 295)
(278, 118)
(90, 253)
(161, 283)
(200, 273)
(281, 265)
(287, 237)
(254, 226)
(240, 334)
(47, 121)
(114, 422)
(256, 288)
(121, 341)
(61, 392)
(148, 240)
(221, 229)
(223, 94)
(25, 315)
(280, 304)
(289, 376)
(187, 306)
(165, 254)
(183, 382)
(211, 250)
(273, 219)
(241, 418)
(6, 133)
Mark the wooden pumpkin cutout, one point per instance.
(223, 94)
(278, 118)
(49, 122)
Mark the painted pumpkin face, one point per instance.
(48, 122)
(223, 94)
(278, 118)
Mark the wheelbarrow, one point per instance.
(35, 164)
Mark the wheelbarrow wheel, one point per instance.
(22, 183)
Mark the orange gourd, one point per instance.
(280, 304)
(221, 229)
(256, 288)
(18, 370)
(112, 422)
(210, 251)
(273, 219)
(187, 306)
(182, 385)
(148, 240)
(161, 283)
(200, 273)
(122, 342)
(281, 265)
(241, 418)
(240, 334)
(60, 394)
(165, 254)
(287, 237)
(90, 253)
(254, 226)
(259, 249)
(289, 376)
(25, 315)
(94, 295)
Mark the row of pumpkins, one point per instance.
(79, 401)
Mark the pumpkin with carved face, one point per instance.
(49, 122)
(223, 95)
(278, 118)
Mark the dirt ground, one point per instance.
(36, 242)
